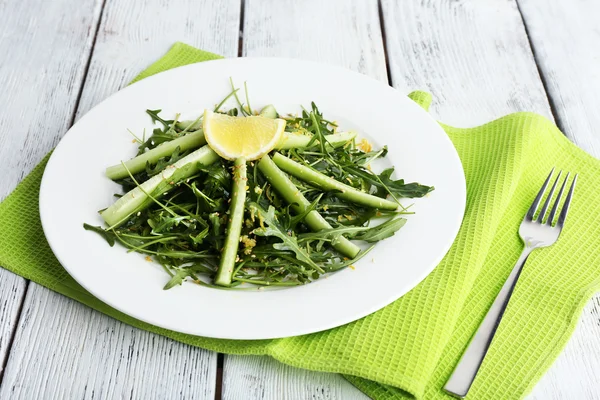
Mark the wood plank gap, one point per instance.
(551, 102)
(384, 40)
(13, 333)
(219, 383)
(241, 29)
(86, 69)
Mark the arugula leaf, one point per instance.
(165, 223)
(383, 231)
(199, 238)
(289, 242)
(165, 162)
(217, 179)
(178, 278)
(156, 118)
(402, 189)
(209, 203)
(298, 218)
(107, 235)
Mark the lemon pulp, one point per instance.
(248, 137)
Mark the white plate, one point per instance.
(74, 188)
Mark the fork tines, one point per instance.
(563, 214)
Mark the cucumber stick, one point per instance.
(292, 195)
(138, 199)
(324, 182)
(138, 164)
(196, 139)
(298, 141)
(234, 224)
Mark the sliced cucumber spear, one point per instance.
(324, 182)
(196, 139)
(137, 199)
(268, 112)
(190, 126)
(292, 195)
(192, 140)
(298, 141)
(138, 164)
(140, 197)
(234, 224)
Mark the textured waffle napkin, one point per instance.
(410, 347)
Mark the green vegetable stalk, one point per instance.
(268, 112)
(138, 164)
(141, 196)
(298, 141)
(292, 195)
(137, 199)
(324, 182)
(196, 139)
(234, 225)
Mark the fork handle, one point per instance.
(465, 371)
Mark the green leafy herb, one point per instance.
(383, 231)
(296, 214)
(289, 242)
(107, 235)
(402, 189)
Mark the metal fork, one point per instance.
(536, 233)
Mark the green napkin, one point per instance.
(410, 347)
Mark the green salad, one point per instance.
(308, 206)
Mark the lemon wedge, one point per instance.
(248, 137)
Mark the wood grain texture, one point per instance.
(44, 47)
(263, 378)
(339, 32)
(565, 36)
(473, 56)
(77, 352)
(134, 34)
(65, 350)
(343, 33)
(576, 373)
(12, 292)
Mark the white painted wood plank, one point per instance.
(44, 47)
(566, 41)
(134, 34)
(576, 372)
(43, 51)
(565, 36)
(473, 56)
(12, 292)
(77, 352)
(343, 33)
(263, 378)
(65, 350)
(338, 32)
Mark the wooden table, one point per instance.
(480, 59)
